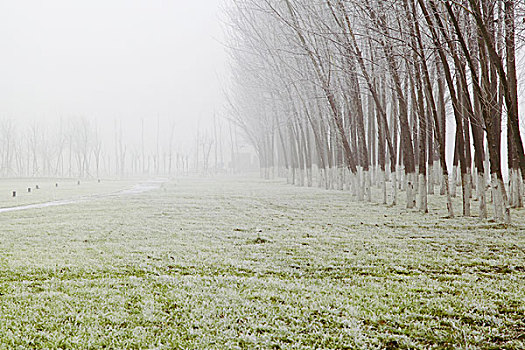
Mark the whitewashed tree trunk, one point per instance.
(516, 200)
(430, 182)
(505, 202)
(486, 173)
(354, 178)
(382, 180)
(438, 172)
(368, 186)
(441, 181)
(519, 189)
(332, 178)
(453, 178)
(410, 191)
(320, 178)
(347, 181)
(481, 196)
(466, 193)
(423, 199)
(394, 187)
(450, 208)
(401, 175)
(300, 181)
(497, 197)
(360, 189)
(474, 182)
(340, 178)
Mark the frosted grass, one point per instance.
(244, 263)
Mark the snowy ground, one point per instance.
(245, 263)
(55, 190)
(93, 191)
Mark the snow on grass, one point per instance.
(244, 263)
(67, 189)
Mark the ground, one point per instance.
(246, 263)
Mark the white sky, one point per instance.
(108, 59)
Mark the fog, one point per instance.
(262, 174)
(110, 61)
(145, 72)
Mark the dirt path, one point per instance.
(139, 188)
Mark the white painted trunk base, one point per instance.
(466, 193)
(410, 191)
(480, 190)
(453, 184)
(430, 182)
(423, 198)
(394, 188)
(382, 180)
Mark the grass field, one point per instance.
(244, 263)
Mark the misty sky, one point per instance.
(110, 59)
